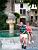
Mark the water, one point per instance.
(7, 34)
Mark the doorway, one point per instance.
(31, 18)
(23, 20)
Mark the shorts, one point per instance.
(23, 36)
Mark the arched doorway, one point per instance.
(23, 20)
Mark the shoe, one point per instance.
(24, 47)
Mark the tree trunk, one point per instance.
(12, 5)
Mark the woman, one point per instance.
(29, 30)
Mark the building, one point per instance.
(33, 15)
(19, 7)
(23, 9)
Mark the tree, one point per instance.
(3, 16)
(17, 16)
(3, 24)
(2, 4)
(35, 2)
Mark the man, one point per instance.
(23, 35)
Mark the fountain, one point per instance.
(6, 42)
(11, 17)
(11, 21)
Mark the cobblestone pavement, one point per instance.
(33, 46)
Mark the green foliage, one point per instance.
(26, 1)
(2, 4)
(3, 24)
(17, 15)
(3, 17)
(35, 2)
(31, 2)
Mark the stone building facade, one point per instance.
(22, 9)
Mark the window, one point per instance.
(21, 5)
(20, 11)
(35, 12)
(36, 18)
(31, 18)
(24, 11)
